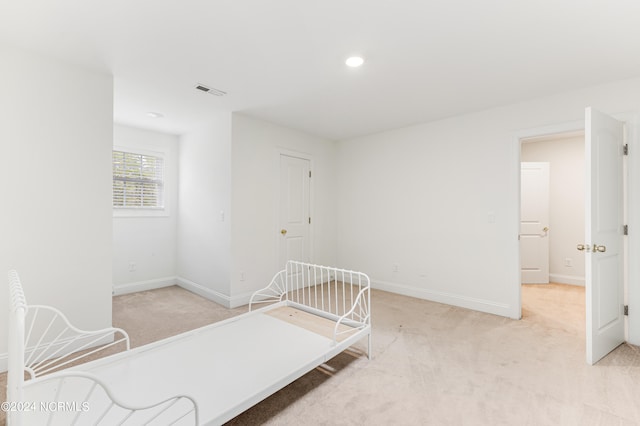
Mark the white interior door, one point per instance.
(604, 138)
(295, 220)
(534, 223)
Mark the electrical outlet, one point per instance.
(242, 276)
(132, 266)
(568, 262)
(395, 267)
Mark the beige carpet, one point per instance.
(434, 364)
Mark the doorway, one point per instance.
(565, 155)
(555, 295)
(604, 230)
(562, 299)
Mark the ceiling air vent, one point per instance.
(210, 90)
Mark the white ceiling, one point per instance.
(283, 60)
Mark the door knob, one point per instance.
(283, 231)
(596, 248)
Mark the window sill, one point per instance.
(124, 212)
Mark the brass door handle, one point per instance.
(596, 248)
(283, 231)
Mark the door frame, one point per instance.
(572, 126)
(629, 119)
(631, 170)
(280, 151)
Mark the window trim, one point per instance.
(141, 211)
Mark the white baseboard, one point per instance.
(241, 299)
(476, 304)
(205, 292)
(566, 279)
(134, 287)
(215, 296)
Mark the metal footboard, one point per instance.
(341, 295)
(51, 342)
(42, 341)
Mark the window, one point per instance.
(137, 180)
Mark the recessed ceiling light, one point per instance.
(355, 61)
(154, 114)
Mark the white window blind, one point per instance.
(137, 180)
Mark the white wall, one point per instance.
(147, 238)
(442, 200)
(204, 231)
(56, 134)
(254, 200)
(423, 198)
(566, 203)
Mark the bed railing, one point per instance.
(50, 341)
(42, 341)
(339, 294)
(87, 400)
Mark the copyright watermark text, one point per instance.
(48, 407)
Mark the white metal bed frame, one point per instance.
(337, 294)
(124, 388)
